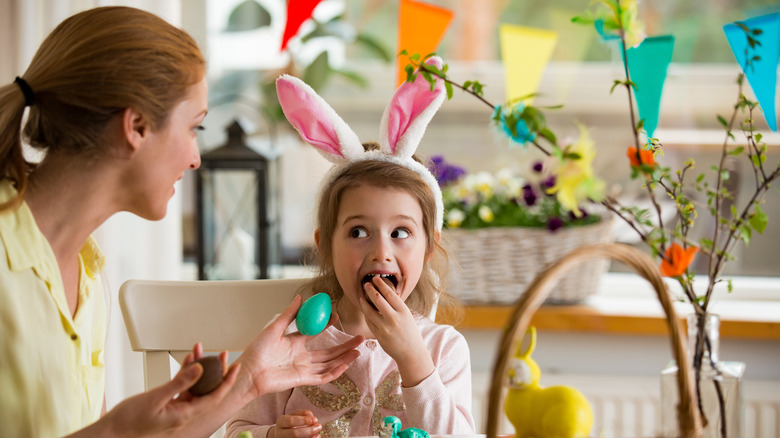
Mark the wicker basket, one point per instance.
(689, 419)
(494, 265)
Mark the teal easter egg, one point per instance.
(314, 314)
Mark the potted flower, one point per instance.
(505, 227)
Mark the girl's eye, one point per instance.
(400, 233)
(358, 232)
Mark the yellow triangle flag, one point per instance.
(525, 52)
(421, 27)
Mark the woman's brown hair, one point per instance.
(91, 67)
(431, 287)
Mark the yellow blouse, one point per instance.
(51, 365)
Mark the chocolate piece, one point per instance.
(211, 377)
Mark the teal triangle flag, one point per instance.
(761, 73)
(647, 64)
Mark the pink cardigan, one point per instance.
(356, 402)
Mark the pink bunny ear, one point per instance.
(316, 121)
(409, 112)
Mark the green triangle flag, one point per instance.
(762, 72)
(647, 64)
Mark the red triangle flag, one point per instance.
(298, 11)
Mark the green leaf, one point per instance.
(614, 85)
(759, 220)
(353, 77)
(745, 234)
(723, 121)
(736, 151)
(316, 74)
(448, 87)
(248, 15)
(374, 46)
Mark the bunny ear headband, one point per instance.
(401, 129)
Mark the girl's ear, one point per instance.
(316, 121)
(317, 238)
(409, 112)
(135, 128)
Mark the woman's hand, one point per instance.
(300, 424)
(396, 331)
(277, 362)
(167, 408)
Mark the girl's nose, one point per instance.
(381, 250)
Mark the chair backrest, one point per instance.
(166, 318)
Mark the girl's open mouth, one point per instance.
(389, 279)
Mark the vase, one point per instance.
(718, 384)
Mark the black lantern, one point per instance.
(234, 212)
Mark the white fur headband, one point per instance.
(401, 129)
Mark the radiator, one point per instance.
(629, 406)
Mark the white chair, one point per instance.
(166, 318)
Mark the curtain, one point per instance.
(134, 247)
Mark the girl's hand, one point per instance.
(300, 424)
(396, 331)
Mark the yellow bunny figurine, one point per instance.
(537, 412)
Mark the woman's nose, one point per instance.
(195, 157)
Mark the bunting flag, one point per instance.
(762, 73)
(647, 63)
(525, 52)
(421, 27)
(298, 11)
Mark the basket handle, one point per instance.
(688, 416)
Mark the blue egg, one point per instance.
(314, 314)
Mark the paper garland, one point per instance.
(298, 11)
(421, 27)
(525, 52)
(762, 73)
(648, 63)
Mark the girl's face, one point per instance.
(379, 231)
(169, 152)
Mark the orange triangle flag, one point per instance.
(421, 27)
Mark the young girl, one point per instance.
(379, 221)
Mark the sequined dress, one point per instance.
(355, 403)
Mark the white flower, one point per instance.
(455, 217)
(486, 214)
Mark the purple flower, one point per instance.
(538, 166)
(549, 182)
(554, 223)
(529, 196)
(445, 173)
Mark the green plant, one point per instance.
(250, 15)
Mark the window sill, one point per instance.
(750, 312)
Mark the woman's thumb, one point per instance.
(185, 378)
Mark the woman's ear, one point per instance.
(317, 238)
(135, 128)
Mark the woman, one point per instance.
(115, 97)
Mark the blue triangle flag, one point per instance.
(647, 63)
(761, 73)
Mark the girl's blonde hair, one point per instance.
(431, 288)
(89, 69)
